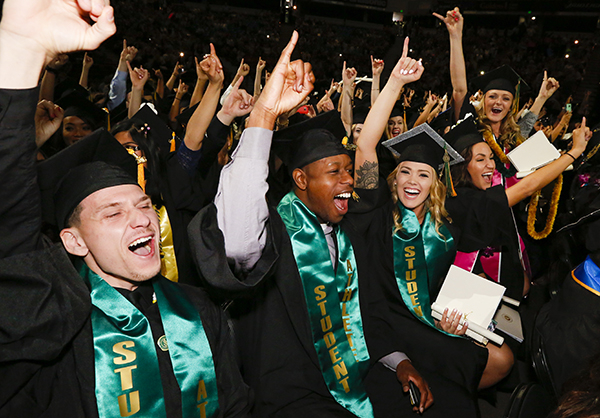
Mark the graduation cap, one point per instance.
(398, 110)
(158, 131)
(442, 121)
(309, 141)
(69, 85)
(76, 104)
(185, 116)
(423, 145)
(464, 134)
(95, 162)
(118, 114)
(586, 208)
(359, 114)
(503, 78)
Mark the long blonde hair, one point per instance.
(510, 132)
(434, 203)
(388, 131)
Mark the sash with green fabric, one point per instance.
(421, 255)
(126, 365)
(333, 305)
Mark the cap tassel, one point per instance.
(448, 176)
(515, 108)
(141, 177)
(173, 144)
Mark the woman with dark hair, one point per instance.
(484, 212)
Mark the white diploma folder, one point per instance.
(476, 297)
(532, 154)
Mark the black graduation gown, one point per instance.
(46, 345)
(570, 330)
(485, 220)
(452, 366)
(279, 360)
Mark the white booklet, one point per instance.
(508, 321)
(476, 297)
(532, 154)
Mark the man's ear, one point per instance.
(300, 179)
(73, 242)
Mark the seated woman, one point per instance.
(483, 211)
(411, 233)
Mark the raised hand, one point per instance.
(238, 103)
(549, 86)
(348, 76)
(243, 69)
(182, 89)
(87, 61)
(212, 67)
(199, 71)
(58, 62)
(376, 66)
(178, 70)
(581, 136)
(138, 76)
(260, 66)
(407, 69)
(454, 21)
(288, 85)
(48, 118)
(158, 74)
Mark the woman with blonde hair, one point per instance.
(411, 235)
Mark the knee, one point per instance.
(502, 359)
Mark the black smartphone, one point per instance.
(414, 393)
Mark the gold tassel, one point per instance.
(173, 144)
(448, 176)
(141, 177)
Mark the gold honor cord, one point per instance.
(532, 211)
(168, 261)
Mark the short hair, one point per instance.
(75, 217)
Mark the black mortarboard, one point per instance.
(160, 133)
(76, 104)
(442, 121)
(309, 141)
(91, 164)
(422, 145)
(398, 110)
(359, 114)
(586, 208)
(118, 114)
(185, 116)
(503, 78)
(67, 86)
(464, 134)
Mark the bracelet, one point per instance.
(177, 98)
(567, 153)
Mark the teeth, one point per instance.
(140, 241)
(486, 174)
(412, 191)
(346, 195)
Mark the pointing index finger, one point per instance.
(405, 50)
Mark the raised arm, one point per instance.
(85, 70)
(458, 74)
(549, 86)
(139, 77)
(348, 77)
(366, 174)
(376, 69)
(174, 76)
(424, 116)
(118, 85)
(260, 66)
(182, 89)
(49, 78)
(200, 82)
(540, 178)
(196, 128)
(243, 181)
(31, 34)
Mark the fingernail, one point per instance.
(411, 71)
(454, 310)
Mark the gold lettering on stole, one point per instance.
(126, 377)
(128, 355)
(202, 395)
(333, 353)
(125, 373)
(409, 251)
(329, 339)
(411, 276)
(322, 306)
(320, 292)
(340, 370)
(412, 287)
(410, 262)
(326, 323)
(134, 401)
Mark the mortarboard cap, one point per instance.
(159, 131)
(359, 114)
(309, 141)
(422, 145)
(185, 116)
(91, 164)
(464, 134)
(442, 121)
(76, 104)
(398, 110)
(503, 78)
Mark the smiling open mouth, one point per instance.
(141, 246)
(412, 192)
(341, 201)
(487, 176)
(496, 110)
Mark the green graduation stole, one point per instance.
(126, 365)
(420, 253)
(333, 305)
